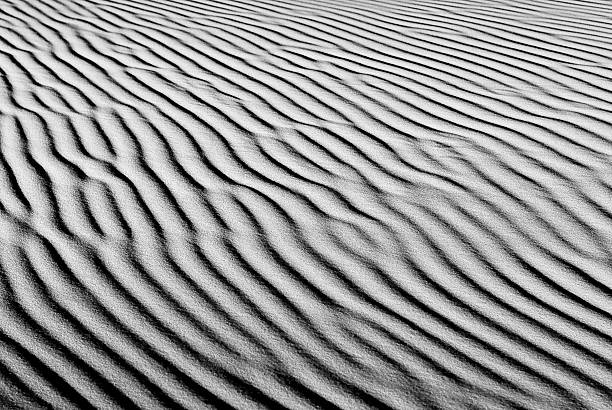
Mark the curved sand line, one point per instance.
(305, 204)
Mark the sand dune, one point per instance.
(305, 204)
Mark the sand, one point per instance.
(335, 204)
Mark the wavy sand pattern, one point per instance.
(305, 204)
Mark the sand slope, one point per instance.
(305, 204)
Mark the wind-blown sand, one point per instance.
(305, 204)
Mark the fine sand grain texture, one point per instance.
(334, 204)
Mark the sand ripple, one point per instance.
(305, 204)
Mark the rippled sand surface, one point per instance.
(354, 204)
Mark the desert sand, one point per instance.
(335, 204)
